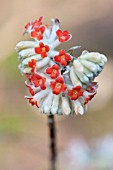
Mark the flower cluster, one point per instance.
(58, 82)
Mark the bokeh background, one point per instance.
(84, 142)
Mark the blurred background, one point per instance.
(84, 142)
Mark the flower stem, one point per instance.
(52, 131)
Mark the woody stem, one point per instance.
(52, 132)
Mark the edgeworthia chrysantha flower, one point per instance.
(59, 83)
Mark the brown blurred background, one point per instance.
(24, 141)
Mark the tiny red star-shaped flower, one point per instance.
(63, 35)
(38, 81)
(37, 23)
(32, 101)
(91, 87)
(89, 98)
(53, 71)
(34, 24)
(75, 92)
(58, 85)
(38, 32)
(42, 50)
(32, 65)
(62, 58)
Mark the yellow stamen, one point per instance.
(43, 49)
(39, 33)
(54, 71)
(63, 37)
(40, 81)
(58, 85)
(63, 57)
(75, 92)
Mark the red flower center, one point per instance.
(62, 57)
(40, 81)
(43, 49)
(63, 37)
(58, 85)
(75, 92)
(55, 71)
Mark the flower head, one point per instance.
(63, 35)
(75, 92)
(38, 32)
(62, 58)
(32, 65)
(58, 86)
(58, 82)
(38, 81)
(42, 49)
(53, 71)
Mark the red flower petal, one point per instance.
(74, 97)
(55, 66)
(63, 62)
(60, 80)
(53, 75)
(67, 57)
(63, 88)
(43, 54)
(41, 44)
(33, 34)
(56, 90)
(62, 52)
(27, 25)
(43, 87)
(52, 84)
(41, 18)
(37, 50)
(59, 32)
(65, 33)
(49, 70)
(42, 28)
(47, 48)
(57, 58)
(77, 87)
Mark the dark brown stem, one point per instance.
(51, 123)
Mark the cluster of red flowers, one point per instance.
(58, 85)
